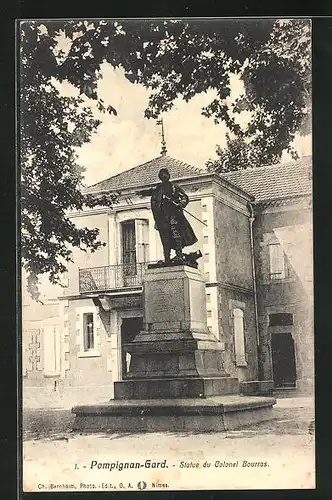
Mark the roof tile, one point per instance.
(147, 173)
(264, 183)
(275, 181)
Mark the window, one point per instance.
(278, 265)
(239, 339)
(88, 332)
(129, 247)
(280, 319)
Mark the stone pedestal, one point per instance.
(217, 414)
(175, 356)
(176, 379)
(174, 300)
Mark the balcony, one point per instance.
(97, 279)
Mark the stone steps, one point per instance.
(215, 414)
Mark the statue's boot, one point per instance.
(178, 253)
(167, 256)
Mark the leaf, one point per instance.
(112, 110)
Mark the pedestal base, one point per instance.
(194, 387)
(176, 380)
(180, 354)
(217, 414)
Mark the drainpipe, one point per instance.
(251, 221)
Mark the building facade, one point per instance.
(257, 304)
(283, 254)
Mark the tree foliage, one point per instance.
(52, 127)
(277, 96)
(171, 58)
(236, 155)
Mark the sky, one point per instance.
(129, 139)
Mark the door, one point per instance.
(283, 360)
(129, 329)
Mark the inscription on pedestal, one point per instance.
(158, 302)
(165, 302)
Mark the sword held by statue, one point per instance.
(187, 212)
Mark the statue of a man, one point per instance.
(167, 203)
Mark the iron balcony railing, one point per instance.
(111, 277)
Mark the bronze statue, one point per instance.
(167, 203)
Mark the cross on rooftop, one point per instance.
(163, 142)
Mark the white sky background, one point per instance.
(130, 139)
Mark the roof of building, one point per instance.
(264, 183)
(282, 180)
(147, 173)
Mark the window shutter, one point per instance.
(239, 340)
(142, 240)
(51, 350)
(277, 261)
(57, 349)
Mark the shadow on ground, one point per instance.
(56, 425)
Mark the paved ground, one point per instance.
(274, 454)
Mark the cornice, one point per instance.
(303, 201)
(231, 286)
(192, 180)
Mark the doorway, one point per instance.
(129, 329)
(283, 360)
